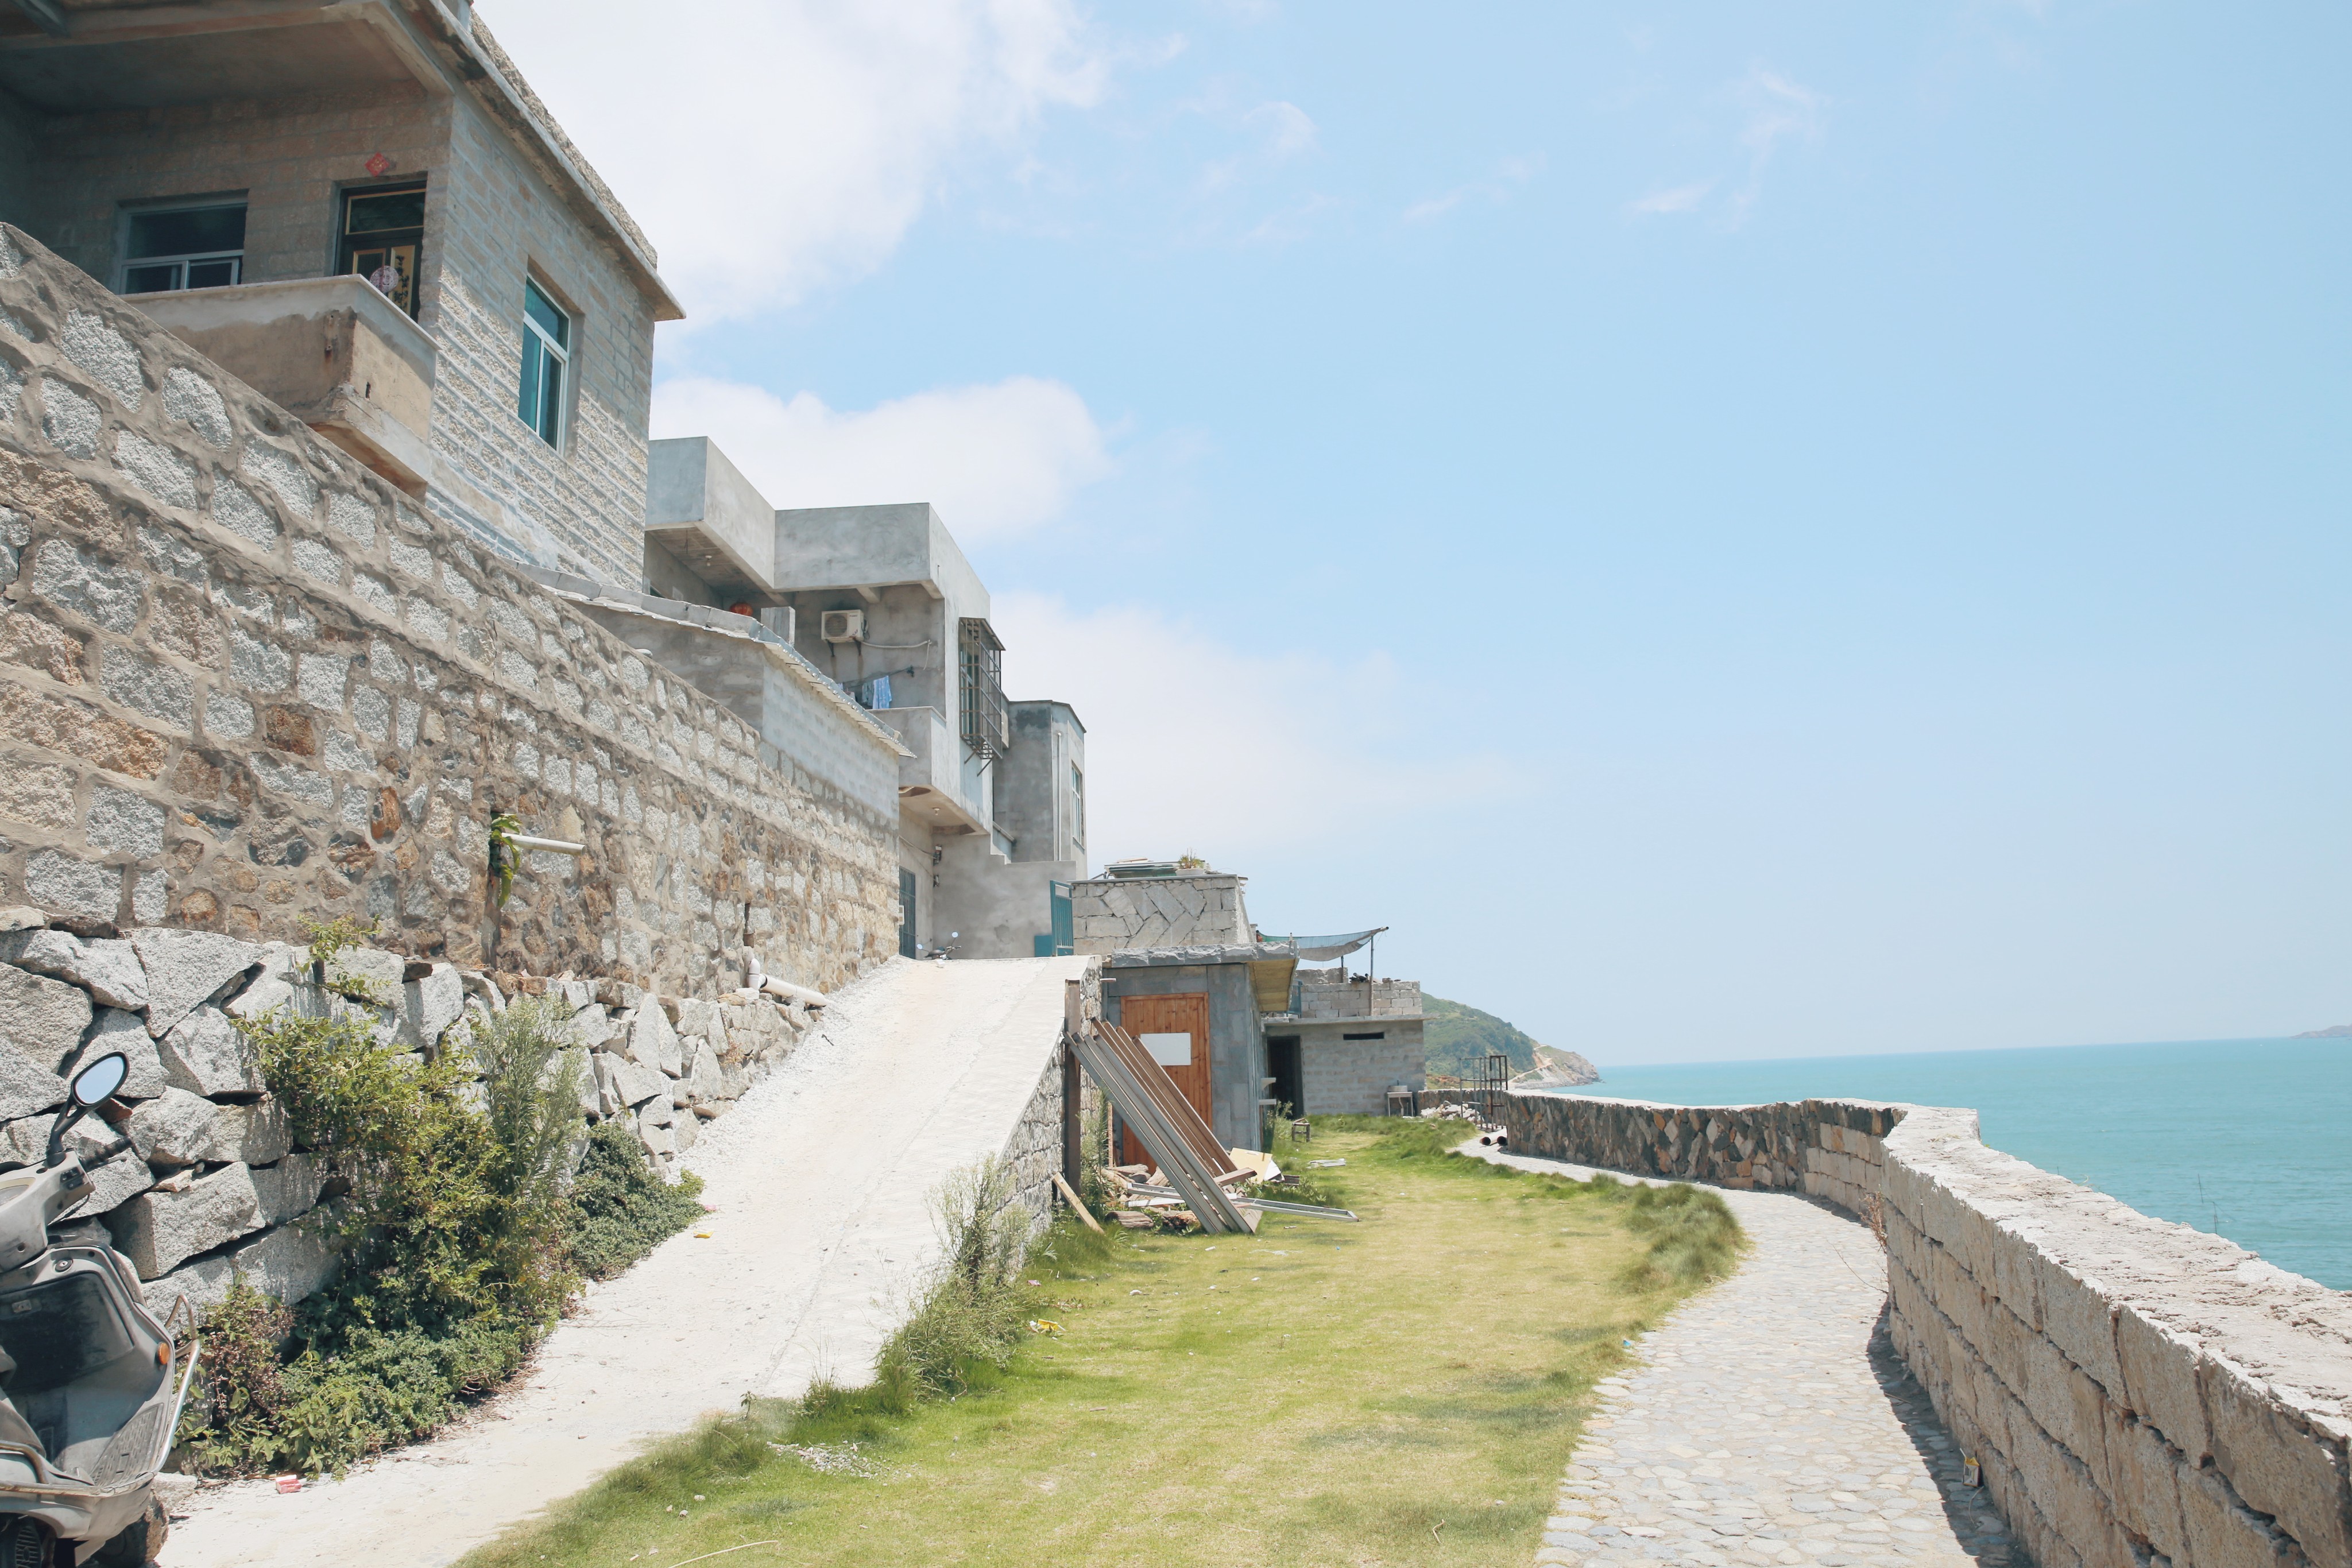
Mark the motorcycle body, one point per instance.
(90, 1393)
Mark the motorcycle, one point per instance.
(88, 1397)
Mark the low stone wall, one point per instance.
(243, 681)
(2136, 1392)
(214, 1185)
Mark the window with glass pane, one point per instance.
(384, 239)
(184, 247)
(546, 362)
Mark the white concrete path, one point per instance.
(1768, 1422)
(820, 1176)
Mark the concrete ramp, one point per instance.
(821, 1179)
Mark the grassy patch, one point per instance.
(1404, 1390)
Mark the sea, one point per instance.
(2250, 1139)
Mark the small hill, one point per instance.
(2332, 1031)
(1459, 1037)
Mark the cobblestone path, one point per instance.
(1769, 1421)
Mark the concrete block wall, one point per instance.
(244, 680)
(2137, 1393)
(580, 508)
(289, 156)
(214, 1182)
(1351, 1078)
(1329, 994)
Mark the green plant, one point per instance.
(458, 1239)
(503, 857)
(972, 1317)
(620, 1207)
(329, 938)
(531, 1072)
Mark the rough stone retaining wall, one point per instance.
(243, 680)
(2138, 1393)
(213, 1184)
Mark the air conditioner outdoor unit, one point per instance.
(844, 625)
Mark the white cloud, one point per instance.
(1497, 188)
(1677, 199)
(772, 147)
(1192, 744)
(1778, 109)
(1773, 110)
(996, 460)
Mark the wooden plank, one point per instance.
(1072, 1198)
(1181, 1113)
(1144, 1097)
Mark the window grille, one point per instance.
(987, 724)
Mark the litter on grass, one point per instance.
(830, 1458)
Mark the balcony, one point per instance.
(331, 351)
(930, 783)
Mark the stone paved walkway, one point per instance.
(1769, 1421)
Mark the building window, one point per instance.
(1078, 809)
(546, 364)
(384, 239)
(1376, 1034)
(987, 725)
(184, 247)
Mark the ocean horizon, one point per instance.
(2247, 1139)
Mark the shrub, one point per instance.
(621, 1209)
(459, 1241)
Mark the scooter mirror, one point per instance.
(97, 1081)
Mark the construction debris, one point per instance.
(1150, 1104)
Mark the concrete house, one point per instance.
(241, 171)
(991, 825)
(364, 212)
(1345, 1040)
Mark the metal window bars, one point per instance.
(987, 723)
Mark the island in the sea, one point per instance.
(2334, 1031)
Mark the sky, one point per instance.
(1733, 530)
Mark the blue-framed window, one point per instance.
(546, 364)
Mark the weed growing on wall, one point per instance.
(458, 1240)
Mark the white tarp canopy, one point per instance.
(1322, 949)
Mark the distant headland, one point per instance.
(2336, 1032)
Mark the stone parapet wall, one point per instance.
(243, 681)
(1111, 914)
(2137, 1393)
(213, 1184)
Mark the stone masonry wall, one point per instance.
(1329, 994)
(213, 1184)
(243, 682)
(2138, 1393)
(1109, 915)
(1035, 1150)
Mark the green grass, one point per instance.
(1405, 1390)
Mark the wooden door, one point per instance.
(1186, 1014)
